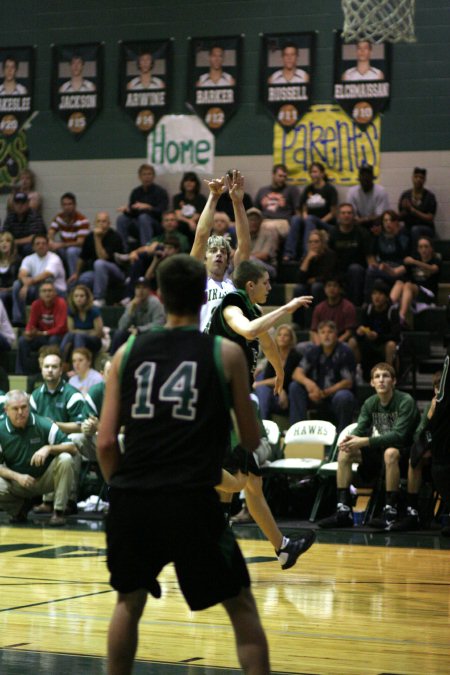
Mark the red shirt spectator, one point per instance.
(337, 309)
(50, 319)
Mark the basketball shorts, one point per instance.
(147, 530)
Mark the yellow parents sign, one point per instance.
(327, 135)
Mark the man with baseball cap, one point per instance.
(23, 223)
(143, 313)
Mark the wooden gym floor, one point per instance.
(356, 603)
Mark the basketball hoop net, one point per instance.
(378, 20)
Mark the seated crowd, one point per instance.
(365, 265)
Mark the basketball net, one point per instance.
(378, 20)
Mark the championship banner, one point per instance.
(362, 78)
(327, 135)
(214, 78)
(77, 84)
(181, 143)
(286, 75)
(145, 81)
(16, 88)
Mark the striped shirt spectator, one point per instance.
(68, 232)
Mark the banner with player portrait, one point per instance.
(286, 75)
(362, 78)
(214, 78)
(16, 88)
(77, 84)
(145, 81)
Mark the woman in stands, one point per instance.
(85, 376)
(421, 284)
(84, 321)
(9, 267)
(188, 204)
(317, 265)
(318, 209)
(269, 403)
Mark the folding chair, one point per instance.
(273, 436)
(328, 470)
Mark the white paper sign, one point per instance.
(181, 143)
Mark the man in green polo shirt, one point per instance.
(63, 404)
(36, 456)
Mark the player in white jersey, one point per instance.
(215, 251)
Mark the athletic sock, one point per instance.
(344, 497)
(392, 499)
(412, 500)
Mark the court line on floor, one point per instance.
(55, 600)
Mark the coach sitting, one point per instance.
(37, 458)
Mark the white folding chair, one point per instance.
(328, 470)
(304, 447)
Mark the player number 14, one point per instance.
(178, 388)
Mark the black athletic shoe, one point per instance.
(342, 518)
(387, 519)
(294, 549)
(409, 522)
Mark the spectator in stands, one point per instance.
(23, 223)
(369, 200)
(143, 313)
(34, 269)
(222, 227)
(7, 335)
(421, 283)
(263, 243)
(326, 374)
(389, 248)
(353, 247)
(278, 201)
(171, 246)
(37, 458)
(384, 433)
(84, 323)
(68, 231)
(188, 204)
(269, 402)
(318, 264)
(142, 216)
(85, 376)
(417, 207)
(61, 403)
(378, 334)
(94, 399)
(26, 182)
(225, 203)
(47, 325)
(318, 208)
(96, 265)
(9, 268)
(334, 308)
